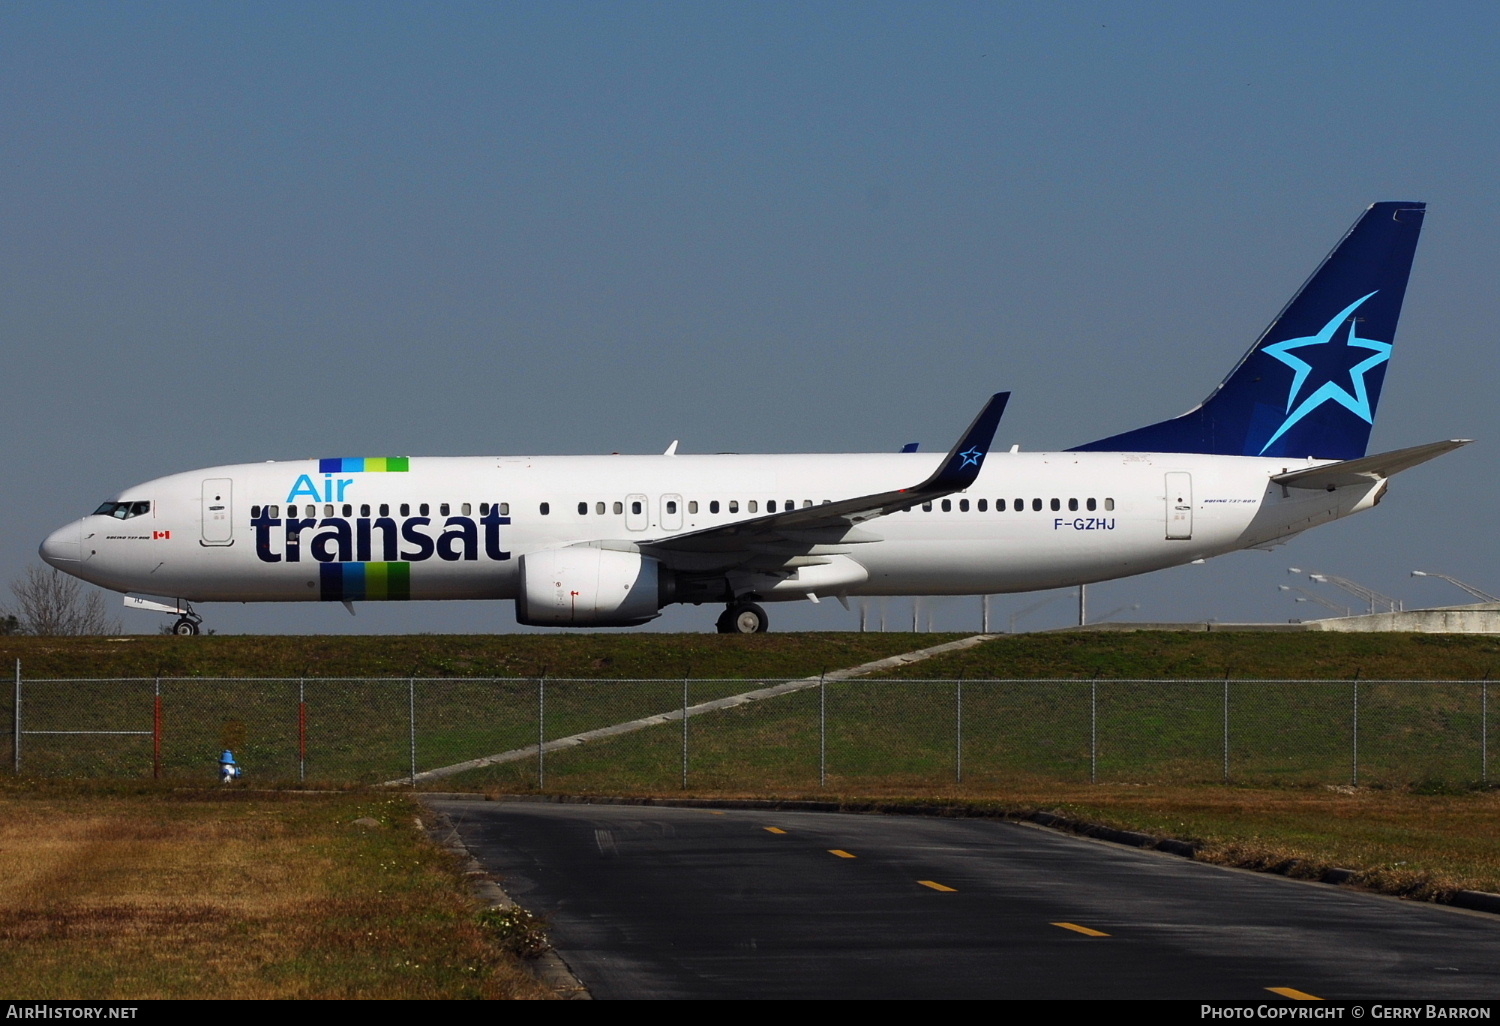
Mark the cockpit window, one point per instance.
(123, 510)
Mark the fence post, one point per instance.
(822, 729)
(541, 733)
(1226, 729)
(1356, 733)
(959, 734)
(1093, 731)
(684, 733)
(302, 730)
(156, 733)
(411, 721)
(1484, 730)
(16, 751)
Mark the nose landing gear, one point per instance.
(743, 618)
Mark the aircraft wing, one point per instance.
(1367, 469)
(775, 540)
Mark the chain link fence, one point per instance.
(651, 735)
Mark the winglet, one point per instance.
(962, 464)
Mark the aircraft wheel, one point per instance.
(185, 627)
(747, 618)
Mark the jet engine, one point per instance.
(581, 586)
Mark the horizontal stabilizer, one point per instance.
(1368, 468)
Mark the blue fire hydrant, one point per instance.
(229, 770)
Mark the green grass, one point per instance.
(433, 655)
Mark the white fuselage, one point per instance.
(460, 524)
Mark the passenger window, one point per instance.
(671, 505)
(406, 509)
(750, 506)
(1020, 505)
(692, 505)
(1036, 505)
(926, 507)
(443, 510)
(984, 504)
(947, 505)
(254, 512)
(963, 505)
(505, 509)
(545, 508)
(484, 509)
(734, 505)
(422, 509)
(806, 503)
(274, 513)
(364, 509)
(466, 508)
(999, 505)
(328, 509)
(385, 509)
(635, 508)
(713, 506)
(770, 505)
(619, 507)
(1109, 504)
(1091, 505)
(599, 509)
(1073, 505)
(1056, 505)
(348, 509)
(583, 509)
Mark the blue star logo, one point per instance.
(971, 458)
(1336, 361)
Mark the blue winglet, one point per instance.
(962, 464)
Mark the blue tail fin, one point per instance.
(1309, 386)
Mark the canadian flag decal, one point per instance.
(161, 534)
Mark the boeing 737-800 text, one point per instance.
(595, 541)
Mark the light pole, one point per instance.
(1482, 596)
(1310, 597)
(1354, 588)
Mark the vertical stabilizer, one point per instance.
(1310, 385)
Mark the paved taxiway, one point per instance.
(678, 902)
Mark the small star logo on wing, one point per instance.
(971, 458)
(1328, 364)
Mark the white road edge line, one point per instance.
(630, 726)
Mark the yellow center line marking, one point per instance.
(1082, 929)
(841, 853)
(936, 886)
(1294, 993)
(775, 830)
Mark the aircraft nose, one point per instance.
(63, 548)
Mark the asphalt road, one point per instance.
(655, 902)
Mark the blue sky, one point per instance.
(244, 231)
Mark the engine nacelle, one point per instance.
(580, 586)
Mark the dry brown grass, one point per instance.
(157, 894)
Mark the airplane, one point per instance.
(608, 541)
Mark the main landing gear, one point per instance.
(743, 618)
(187, 624)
